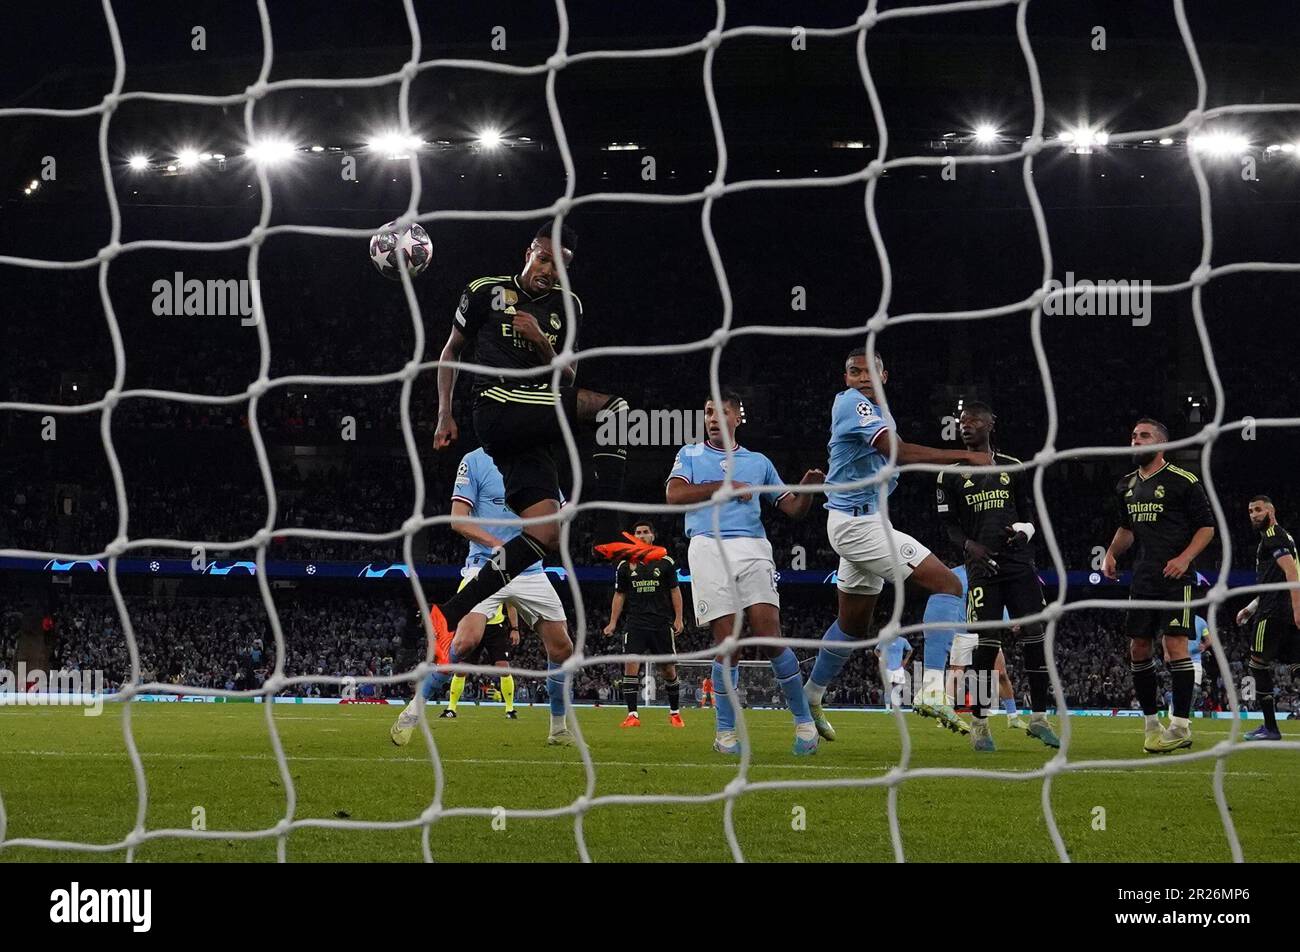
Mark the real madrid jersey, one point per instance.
(983, 505)
(486, 316)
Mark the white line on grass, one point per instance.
(505, 761)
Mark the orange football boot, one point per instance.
(631, 720)
(676, 720)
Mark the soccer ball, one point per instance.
(391, 249)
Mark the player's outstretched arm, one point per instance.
(446, 432)
(472, 531)
(916, 453)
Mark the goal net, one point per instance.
(1020, 161)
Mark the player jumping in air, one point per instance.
(862, 436)
(1274, 637)
(480, 490)
(1164, 510)
(746, 582)
(991, 517)
(511, 322)
(648, 597)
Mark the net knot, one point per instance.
(257, 90)
(261, 537)
(1201, 275)
(410, 70)
(715, 190)
(259, 387)
(1033, 145)
(878, 322)
(557, 61)
(713, 39)
(109, 251)
(117, 548)
(867, 20)
(735, 787)
(582, 804)
(257, 235)
(875, 168)
(412, 525)
(1209, 432)
(1193, 119)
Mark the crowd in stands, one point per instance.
(227, 643)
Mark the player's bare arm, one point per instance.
(447, 432)
(677, 611)
(1177, 566)
(473, 531)
(796, 505)
(916, 453)
(1121, 543)
(615, 612)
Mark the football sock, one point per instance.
(1009, 705)
(508, 691)
(434, 682)
(1040, 684)
(983, 659)
(1144, 685)
(724, 712)
(1183, 674)
(555, 686)
(674, 689)
(932, 686)
(631, 688)
(1263, 676)
(830, 662)
(457, 689)
(786, 668)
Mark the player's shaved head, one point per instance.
(1154, 424)
(1264, 499)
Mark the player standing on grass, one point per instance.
(1274, 637)
(649, 598)
(516, 322)
(991, 517)
(748, 571)
(1164, 510)
(480, 491)
(862, 435)
(500, 635)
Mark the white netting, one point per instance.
(869, 174)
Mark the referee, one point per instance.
(648, 597)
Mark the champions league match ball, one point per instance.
(391, 249)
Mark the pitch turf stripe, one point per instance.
(729, 766)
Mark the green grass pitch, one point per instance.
(67, 776)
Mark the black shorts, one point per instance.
(1020, 595)
(1175, 619)
(494, 648)
(1275, 639)
(525, 442)
(658, 640)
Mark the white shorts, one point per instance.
(897, 676)
(862, 543)
(963, 649)
(750, 561)
(533, 596)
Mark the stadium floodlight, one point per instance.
(621, 147)
(270, 151)
(393, 144)
(318, 148)
(27, 191)
(1288, 147)
(1083, 138)
(220, 157)
(138, 162)
(1167, 140)
(186, 158)
(488, 138)
(1220, 144)
(33, 185)
(986, 134)
(205, 156)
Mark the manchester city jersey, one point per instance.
(855, 423)
(480, 486)
(704, 463)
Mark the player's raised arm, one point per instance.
(796, 505)
(446, 432)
